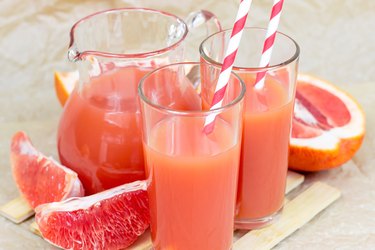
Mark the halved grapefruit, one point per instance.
(64, 84)
(41, 179)
(328, 126)
(112, 219)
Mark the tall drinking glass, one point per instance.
(267, 121)
(192, 175)
(99, 133)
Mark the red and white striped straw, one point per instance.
(227, 66)
(269, 42)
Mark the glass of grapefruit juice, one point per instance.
(267, 120)
(99, 134)
(192, 175)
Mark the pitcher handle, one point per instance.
(195, 21)
(197, 18)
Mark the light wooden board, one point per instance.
(295, 214)
(17, 210)
(144, 241)
(293, 180)
(35, 229)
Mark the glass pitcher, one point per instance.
(99, 134)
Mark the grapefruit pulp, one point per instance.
(328, 126)
(38, 178)
(112, 219)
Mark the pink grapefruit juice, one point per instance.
(264, 152)
(193, 184)
(99, 134)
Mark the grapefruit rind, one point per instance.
(333, 147)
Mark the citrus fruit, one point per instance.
(41, 179)
(64, 84)
(112, 219)
(328, 126)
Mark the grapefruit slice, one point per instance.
(328, 126)
(38, 178)
(64, 84)
(112, 219)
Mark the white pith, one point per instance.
(302, 113)
(76, 203)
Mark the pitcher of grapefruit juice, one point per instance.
(267, 118)
(99, 134)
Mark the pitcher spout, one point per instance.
(73, 54)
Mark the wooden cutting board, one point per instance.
(296, 213)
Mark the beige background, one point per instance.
(337, 43)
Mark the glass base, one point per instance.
(257, 223)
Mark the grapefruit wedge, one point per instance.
(112, 219)
(38, 178)
(64, 84)
(328, 126)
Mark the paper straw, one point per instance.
(227, 66)
(269, 42)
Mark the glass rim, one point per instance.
(198, 113)
(79, 54)
(294, 57)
